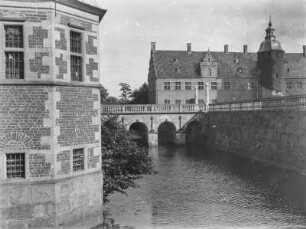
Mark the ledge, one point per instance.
(11, 82)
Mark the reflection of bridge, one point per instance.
(169, 122)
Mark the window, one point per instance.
(166, 86)
(227, 85)
(76, 57)
(177, 85)
(15, 165)
(213, 101)
(201, 85)
(76, 68)
(188, 101)
(187, 85)
(214, 85)
(75, 42)
(78, 159)
(201, 101)
(14, 65)
(250, 86)
(167, 101)
(14, 58)
(289, 85)
(299, 85)
(177, 101)
(209, 71)
(13, 36)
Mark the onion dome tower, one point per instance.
(270, 63)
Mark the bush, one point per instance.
(123, 160)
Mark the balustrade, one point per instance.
(286, 102)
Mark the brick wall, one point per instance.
(76, 112)
(62, 42)
(62, 66)
(22, 112)
(37, 39)
(90, 68)
(37, 65)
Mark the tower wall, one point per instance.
(48, 121)
(271, 75)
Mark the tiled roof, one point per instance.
(181, 65)
(295, 65)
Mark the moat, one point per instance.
(196, 188)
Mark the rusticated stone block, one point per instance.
(18, 195)
(42, 193)
(37, 39)
(36, 65)
(16, 224)
(22, 211)
(62, 42)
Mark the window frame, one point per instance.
(76, 54)
(178, 86)
(188, 86)
(23, 166)
(201, 86)
(75, 159)
(178, 102)
(289, 85)
(250, 86)
(167, 101)
(227, 85)
(214, 85)
(16, 69)
(167, 86)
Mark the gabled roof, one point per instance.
(181, 65)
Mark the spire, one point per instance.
(270, 30)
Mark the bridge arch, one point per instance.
(166, 133)
(139, 132)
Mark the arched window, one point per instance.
(209, 72)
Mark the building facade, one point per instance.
(50, 136)
(183, 77)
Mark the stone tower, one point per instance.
(50, 147)
(270, 63)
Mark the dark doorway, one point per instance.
(166, 133)
(139, 132)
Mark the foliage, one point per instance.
(125, 92)
(141, 95)
(104, 94)
(123, 160)
(111, 100)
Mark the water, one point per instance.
(195, 188)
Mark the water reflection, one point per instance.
(197, 188)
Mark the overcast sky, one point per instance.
(129, 27)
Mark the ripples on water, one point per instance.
(199, 189)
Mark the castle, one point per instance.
(188, 77)
(50, 134)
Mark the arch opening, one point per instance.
(139, 133)
(193, 132)
(166, 133)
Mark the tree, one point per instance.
(111, 100)
(126, 92)
(104, 94)
(141, 95)
(123, 161)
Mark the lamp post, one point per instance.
(207, 96)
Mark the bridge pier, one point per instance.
(180, 138)
(153, 138)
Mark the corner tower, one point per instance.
(50, 132)
(270, 63)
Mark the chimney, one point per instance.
(189, 48)
(225, 48)
(304, 50)
(153, 46)
(245, 49)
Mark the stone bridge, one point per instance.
(169, 123)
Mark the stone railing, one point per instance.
(152, 108)
(286, 102)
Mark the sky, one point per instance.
(129, 27)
